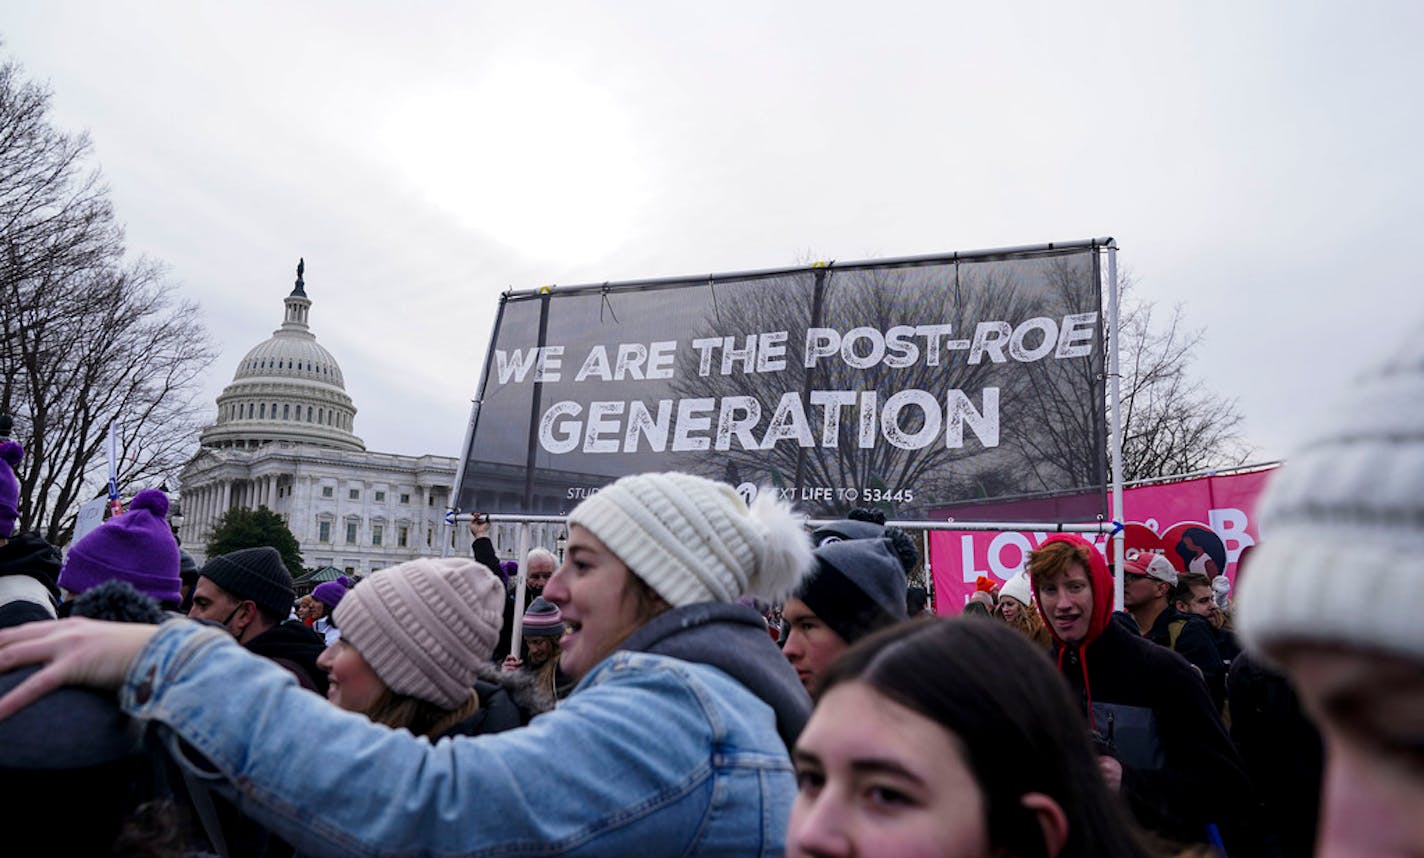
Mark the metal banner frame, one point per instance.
(1105, 245)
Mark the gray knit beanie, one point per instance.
(859, 584)
(425, 626)
(694, 540)
(1342, 523)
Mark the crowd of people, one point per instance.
(634, 696)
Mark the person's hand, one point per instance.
(1112, 773)
(512, 663)
(74, 651)
(479, 526)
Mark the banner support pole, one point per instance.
(1115, 412)
(516, 635)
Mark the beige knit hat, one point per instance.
(694, 540)
(1342, 525)
(425, 626)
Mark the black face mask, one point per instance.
(233, 614)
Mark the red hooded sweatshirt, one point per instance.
(1100, 577)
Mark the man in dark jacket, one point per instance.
(1146, 593)
(1194, 595)
(1162, 744)
(250, 593)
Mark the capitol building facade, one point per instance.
(284, 439)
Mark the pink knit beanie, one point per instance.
(425, 626)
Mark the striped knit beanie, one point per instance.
(543, 620)
(694, 540)
(425, 626)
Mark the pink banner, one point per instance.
(1200, 525)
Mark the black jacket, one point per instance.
(1196, 643)
(1197, 778)
(484, 552)
(28, 554)
(507, 700)
(733, 639)
(295, 647)
(1282, 752)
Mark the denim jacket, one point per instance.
(650, 755)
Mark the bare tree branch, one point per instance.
(89, 339)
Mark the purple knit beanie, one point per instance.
(329, 593)
(10, 455)
(137, 547)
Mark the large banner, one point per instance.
(904, 385)
(1200, 525)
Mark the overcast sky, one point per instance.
(1258, 163)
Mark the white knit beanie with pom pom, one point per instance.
(694, 540)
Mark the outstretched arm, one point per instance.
(76, 651)
(252, 725)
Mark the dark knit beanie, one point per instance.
(257, 574)
(858, 586)
(187, 568)
(10, 455)
(137, 547)
(543, 620)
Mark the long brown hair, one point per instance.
(420, 717)
(1015, 718)
(1027, 623)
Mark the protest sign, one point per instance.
(903, 385)
(1200, 525)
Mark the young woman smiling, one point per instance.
(415, 647)
(675, 739)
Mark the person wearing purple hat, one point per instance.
(28, 564)
(328, 595)
(137, 547)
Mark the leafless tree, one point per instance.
(880, 298)
(89, 338)
(1172, 423)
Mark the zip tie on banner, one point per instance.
(716, 308)
(604, 302)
